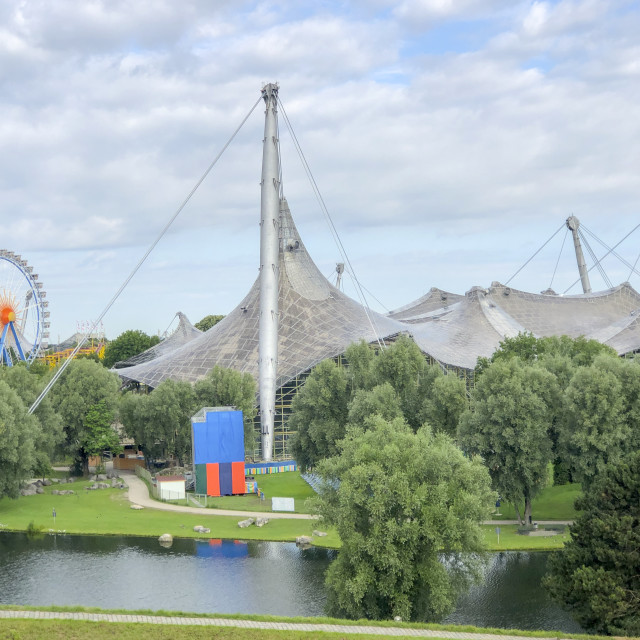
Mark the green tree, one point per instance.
(596, 576)
(164, 419)
(380, 401)
(81, 386)
(319, 415)
(404, 367)
(397, 379)
(581, 351)
(229, 388)
(99, 434)
(402, 499)
(360, 357)
(18, 432)
(593, 432)
(207, 322)
(627, 371)
(444, 405)
(126, 345)
(28, 385)
(509, 425)
(160, 422)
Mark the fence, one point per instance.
(197, 499)
(143, 473)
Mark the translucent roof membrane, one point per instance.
(318, 321)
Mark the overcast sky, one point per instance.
(449, 139)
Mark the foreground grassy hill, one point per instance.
(188, 626)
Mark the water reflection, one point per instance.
(137, 573)
(510, 596)
(226, 576)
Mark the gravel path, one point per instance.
(139, 494)
(255, 624)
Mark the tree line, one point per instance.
(86, 414)
(540, 410)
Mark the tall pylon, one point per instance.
(270, 196)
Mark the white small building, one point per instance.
(171, 487)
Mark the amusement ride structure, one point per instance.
(24, 318)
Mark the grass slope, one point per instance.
(83, 630)
(273, 485)
(553, 503)
(108, 512)
(467, 629)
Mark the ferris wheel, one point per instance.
(24, 318)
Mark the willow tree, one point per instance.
(398, 500)
(509, 425)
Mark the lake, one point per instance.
(227, 576)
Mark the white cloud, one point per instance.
(424, 12)
(444, 169)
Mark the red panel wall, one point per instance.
(237, 478)
(213, 479)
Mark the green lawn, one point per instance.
(108, 512)
(554, 503)
(84, 630)
(511, 540)
(274, 485)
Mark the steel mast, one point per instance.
(573, 224)
(269, 270)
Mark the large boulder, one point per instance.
(243, 524)
(165, 540)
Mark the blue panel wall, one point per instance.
(225, 479)
(219, 439)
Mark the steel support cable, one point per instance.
(633, 268)
(535, 254)
(65, 364)
(614, 253)
(376, 299)
(605, 255)
(332, 227)
(559, 256)
(166, 331)
(595, 259)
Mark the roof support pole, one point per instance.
(269, 267)
(573, 224)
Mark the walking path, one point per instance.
(139, 494)
(255, 624)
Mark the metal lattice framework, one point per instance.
(24, 318)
